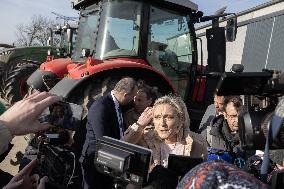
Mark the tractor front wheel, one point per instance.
(14, 79)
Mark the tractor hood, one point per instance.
(50, 73)
(29, 53)
(95, 66)
(57, 66)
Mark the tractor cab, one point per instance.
(152, 40)
(158, 32)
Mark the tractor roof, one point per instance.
(77, 4)
(184, 3)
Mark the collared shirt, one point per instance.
(118, 114)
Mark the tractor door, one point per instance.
(170, 46)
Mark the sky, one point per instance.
(210, 6)
(15, 12)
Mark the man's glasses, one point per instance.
(232, 116)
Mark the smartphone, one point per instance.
(63, 114)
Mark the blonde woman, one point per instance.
(169, 132)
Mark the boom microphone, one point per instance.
(277, 119)
(273, 131)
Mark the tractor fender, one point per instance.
(57, 66)
(36, 80)
(65, 87)
(53, 70)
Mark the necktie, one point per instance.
(120, 120)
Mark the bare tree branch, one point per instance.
(34, 33)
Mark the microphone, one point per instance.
(277, 119)
(274, 127)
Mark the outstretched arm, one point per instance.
(22, 117)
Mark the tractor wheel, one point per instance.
(1, 74)
(14, 80)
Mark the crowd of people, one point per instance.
(160, 123)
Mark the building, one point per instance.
(260, 38)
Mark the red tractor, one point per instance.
(150, 40)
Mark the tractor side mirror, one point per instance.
(231, 29)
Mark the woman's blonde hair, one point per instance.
(178, 104)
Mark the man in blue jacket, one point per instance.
(105, 119)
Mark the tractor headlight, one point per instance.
(7, 52)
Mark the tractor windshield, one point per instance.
(170, 45)
(119, 29)
(86, 32)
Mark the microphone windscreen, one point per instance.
(279, 110)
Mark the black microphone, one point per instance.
(277, 119)
(274, 127)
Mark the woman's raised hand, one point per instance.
(146, 117)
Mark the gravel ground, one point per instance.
(11, 162)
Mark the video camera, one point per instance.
(126, 162)
(59, 164)
(261, 126)
(264, 112)
(56, 158)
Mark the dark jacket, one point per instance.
(101, 121)
(206, 129)
(206, 122)
(207, 118)
(222, 138)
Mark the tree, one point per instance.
(35, 33)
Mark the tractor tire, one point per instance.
(1, 74)
(85, 96)
(14, 79)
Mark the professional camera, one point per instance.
(126, 162)
(58, 162)
(261, 125)
(264, 112)
(56, 159)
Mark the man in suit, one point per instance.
(105, 119)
